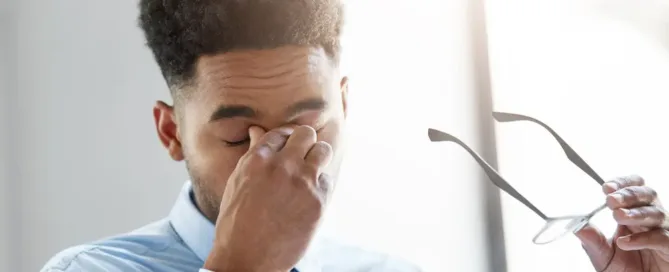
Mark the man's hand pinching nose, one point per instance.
(273, 201)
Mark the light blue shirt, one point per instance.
(182, 241)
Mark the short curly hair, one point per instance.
(178, 32)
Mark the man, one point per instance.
(259, 108)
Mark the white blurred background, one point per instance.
(79, 159)
(598, 73)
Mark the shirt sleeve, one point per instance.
(91, 258)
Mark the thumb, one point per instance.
(255, 133)
(596, 246)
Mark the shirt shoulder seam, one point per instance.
(74, 258)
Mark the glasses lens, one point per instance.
(556, 228)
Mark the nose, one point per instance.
(279, 126)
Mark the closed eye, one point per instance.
(237, 143)
(247, 139)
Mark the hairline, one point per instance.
(182, 88)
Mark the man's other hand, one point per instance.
(641, 242)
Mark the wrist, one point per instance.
(222, 259)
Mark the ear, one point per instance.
(344, 94)
(168, 131)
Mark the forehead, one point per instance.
(266, 79)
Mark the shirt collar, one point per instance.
(195, 230)
(198, 232)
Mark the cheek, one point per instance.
(211, 161)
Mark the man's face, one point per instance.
(237, 90)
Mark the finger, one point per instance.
(631, 197)
(622, 182)
(325, 184)
(300, 142)
(596, 245)
(319, 155)
(657, 239)
(272, 141)
(648, 216)
(255, 133)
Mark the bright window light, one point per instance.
(399, 193)
(601, 83)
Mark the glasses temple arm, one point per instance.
(497, 179)
(576, 159)
(571, 154)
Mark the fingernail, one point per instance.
(612, 185)
(618, 198)
(624, 239)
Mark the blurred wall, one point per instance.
(88, 162)
(7, 84)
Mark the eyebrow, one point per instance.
(313, 104)
(231, 111)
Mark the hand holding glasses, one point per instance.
(555, 227)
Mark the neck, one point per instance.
(204, 205)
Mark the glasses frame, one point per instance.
(577, 221)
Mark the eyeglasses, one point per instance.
(555, 227)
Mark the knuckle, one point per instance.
(272, 134)
(302, 181)
(628, 193)
(641, 213)
(272, 163)
(316, 201)
(319, 201)
(283, 131)
(325, 183)
(313, 201)
(310, 172)
(618, 182)
(636, 179)
(280, 169)
(625, 181)
(646, 194)
(652, 192)
(274, 137)
(661, 215)
(255, 156)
